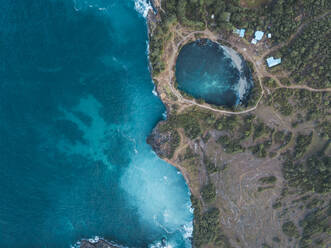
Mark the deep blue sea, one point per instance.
(76, 106)
(212, 72)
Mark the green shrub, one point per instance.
(207, 229)
(210, 166)
(230, 146)
(313, 224)
(290, 229)
(208, 192)
(302, 143)
(268, 180)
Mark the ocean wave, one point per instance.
(143, 7)
(188, 230)
(147, 47)
(160, 244)
(241, 88)
(237, 61)
(154, 91)
(164, 115)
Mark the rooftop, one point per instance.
(259, 35)
(271, 61)
(240, 32)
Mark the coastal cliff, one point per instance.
(240, 164)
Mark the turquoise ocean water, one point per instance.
(76, 106)
(215, 73)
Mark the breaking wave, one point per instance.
(244, 83)
(143, 7)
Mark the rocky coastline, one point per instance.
(160, 141)
(96, 244)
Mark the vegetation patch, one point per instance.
(307, 57)
(261, 189)
(230, 145)
(268, 180)
(301, 145)
(290, 229)
(207, 227)
(314, 223)
(208, 192)
(313, 175)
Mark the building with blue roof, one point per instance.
(241, 32)
(259, 35)
(271, 61)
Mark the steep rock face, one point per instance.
(163, 143)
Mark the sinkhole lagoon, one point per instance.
(214, 73)
(76, 106)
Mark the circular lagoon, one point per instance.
(214, 73)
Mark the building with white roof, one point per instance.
(257, 36)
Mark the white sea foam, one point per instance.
(159, 244)
(242, 85)
(191, 210)
(147, 47)
(143, 7)
(154, 91)
(234, 56)
(188, 230)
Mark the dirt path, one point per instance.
(168, 75)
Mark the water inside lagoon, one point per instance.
(76, 106)
(214, 73)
